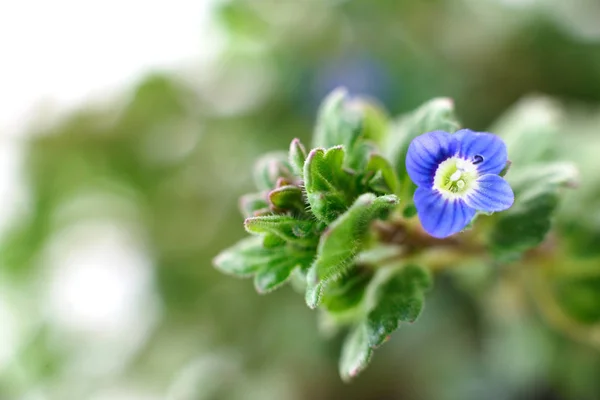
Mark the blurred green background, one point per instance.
(107, 290)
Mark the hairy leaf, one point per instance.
(345, 237)
(348, 291)
(297, 231)
(356, 353)
(287, 197)
(397, 298)
(328, 186)
(246, 257)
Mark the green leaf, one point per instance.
(381, 175)
(356, 353)
(346, 293)
(337, 123)
(287, 197)
(287, 228)
(409, 211)
(328, 187)
(271, 266)
(527, 222)
(314, 289)
(269, 168)
(580, 298)
(530, 130)
(277, 272)
(398, 297)
(297, 157)
(272, 240)
(436, 114)
(349, 123)
(344, 238)
(246, 257)
(375, 122)
(250, 203)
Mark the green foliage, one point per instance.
(330, 217)
(526, 223)
(347, 292)
(380, 175)
(529, 130)
(356, 353)
(337, 123)
(399, 298)
(395, 295)
(343, 239)
(580, 297)
(270, 266)
(270, 168)
(289, 229)
(297, 157)
(329, 188)
(253, 203)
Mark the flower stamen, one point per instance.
(454, 177)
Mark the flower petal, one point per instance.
(491, 193)
(491, 148)
(424, 154)
(439, 216)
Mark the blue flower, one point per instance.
(457, 175)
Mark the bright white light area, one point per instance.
(100, 281)
(67, 51)
(100, 295)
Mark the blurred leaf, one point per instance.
(356, 353)
(436, 114)
(381, 175)
(269, 168)
(375, 120)
(580, 297)
(529, 130)
(250, 203)
(246, 257)
(527, 222)
(409, 211)
(336, 123)
(349, 123)
(397, 299)
(297, 157)
(272, 240)
(242, 21)
(345, 237)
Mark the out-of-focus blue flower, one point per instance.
(457, 175)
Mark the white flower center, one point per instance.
(455, 177)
